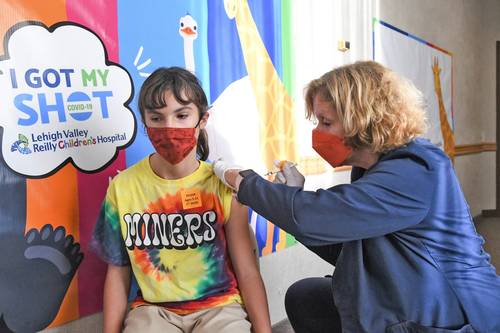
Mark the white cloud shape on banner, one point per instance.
(61, 101)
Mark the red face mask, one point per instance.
(330, 147)
(173, 144)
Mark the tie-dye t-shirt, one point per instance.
(171, 232)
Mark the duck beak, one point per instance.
(188, 31)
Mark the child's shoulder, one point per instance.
(208, 171)
(207, 167)
(131, 173)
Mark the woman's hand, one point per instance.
(228, 173)
(288, 174)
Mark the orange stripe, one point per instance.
(54, 199)
(48, 12)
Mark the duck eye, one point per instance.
(182, 24)
(194, 27)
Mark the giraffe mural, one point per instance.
(446, 131)
(277, 127)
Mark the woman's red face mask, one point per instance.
(328, 137)
(330, 147)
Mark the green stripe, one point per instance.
(290, 240)
(287, 46)
(288, 64)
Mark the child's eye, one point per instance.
(182, 116)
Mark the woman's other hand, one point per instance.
(288, 174)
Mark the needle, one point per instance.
(275, 172)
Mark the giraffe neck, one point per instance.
(277, 128)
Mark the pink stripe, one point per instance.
(92, 189)
(100, 16)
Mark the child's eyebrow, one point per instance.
(182, 108)
(153, 111)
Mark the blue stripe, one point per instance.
(393, 27)
(224, 50)
(261, 232)
(401, 32)
(276, 237)
(155, 26)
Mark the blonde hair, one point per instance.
(378, 108)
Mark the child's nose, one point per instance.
(168, 123)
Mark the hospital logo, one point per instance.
(21, 145)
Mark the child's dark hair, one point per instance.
(181, 83)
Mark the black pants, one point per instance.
(310, 308)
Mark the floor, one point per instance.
(283, 327)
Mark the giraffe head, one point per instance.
(188, 27)
(231, 7)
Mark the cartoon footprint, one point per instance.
(42, 264)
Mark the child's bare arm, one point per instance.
(246, 269)
(116, 288)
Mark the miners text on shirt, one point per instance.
(179, 231)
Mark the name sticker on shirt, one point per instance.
(191, 198)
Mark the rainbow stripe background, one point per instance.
(71, 198)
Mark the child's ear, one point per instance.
(204, 119)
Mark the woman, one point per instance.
(170, 222)
(407, 255)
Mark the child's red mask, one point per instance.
(330, 147)
(173, 144)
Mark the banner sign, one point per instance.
(66, 102)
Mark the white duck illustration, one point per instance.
(188, 29)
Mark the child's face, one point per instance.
(174, 114)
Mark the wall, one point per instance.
(469, 30)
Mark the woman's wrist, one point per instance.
(239, 178)
(237, 182)
(231, 177)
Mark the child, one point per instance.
(173, 223)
